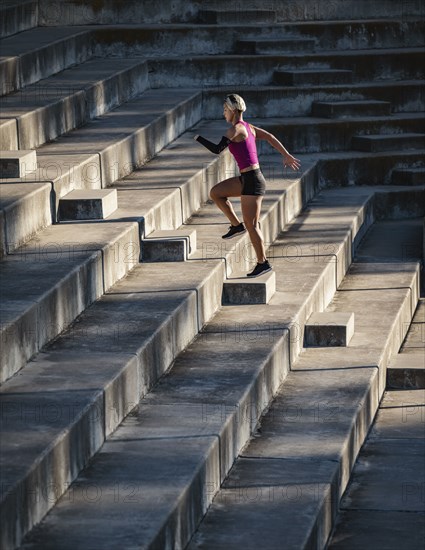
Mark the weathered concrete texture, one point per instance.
(294, 498)
(16, 164)
(266, 101)
(322, 411)
(74, 12)
(401, 416)
(8, 134)
(218, 17)
(26, 210)
(17, 16)
(307, 77)
(239, 291)
(169, 246)
(408, 176)
(329, 329)
(376, 143)
(54, 277)
(407, 370)
(315, 134)
(114, 352)
(39, 53)
(65, 101)
(274, 45)
(130, 135)
(360, 169)
(88, 204)
(378, 529)
(251, 70)
(345, 109)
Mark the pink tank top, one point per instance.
(245, 152)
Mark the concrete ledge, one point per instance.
(344, 109)
(329, 329)
(217, 17)
(407, 371)
(245, 290)
(306, 77)
(50, 51)
(273, 45)
(88, 205)
(17, 16)
(17, 164)
(78, 263)
(169, 246)
(69, 99)
(391, 142)
(408, 176)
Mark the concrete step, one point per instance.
(102, 152)
(408, 176)
(312, 134)
(404, 96)
(127, 322)
(43, 111)
(16, 164)
(88, 204)
(38, 53)
(181, 11)
(252, 70)
(240, 290)
(389, 142)
(186, 410)
(306, 77)
(169, 246)
(361, 168)
(275, 44)
(347, 109)
(324, 329)
(128, 40)
(17, 16)
(407, 371)
(49, 281)
(227, 16)
(383, 504)
(292, 474)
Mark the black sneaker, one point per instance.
(259, 269)
(234, 230)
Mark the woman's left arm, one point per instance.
(288, 159)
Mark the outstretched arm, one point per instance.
(214, 148)
(288, 159)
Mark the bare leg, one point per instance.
(251, 209)
(219, 193)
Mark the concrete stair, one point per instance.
(220, 17)
(292, 474)
(347, 109)
(276, 44)
(190, 295)
(408, 176)
(389, 142)
(17, 164)
(56, 105)
(239, 290)
(154, 439)
(17, 16)
(88, 205)
(311, 77)
(98, 154)
(98, 335)
(38, 53)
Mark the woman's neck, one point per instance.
(237, 118)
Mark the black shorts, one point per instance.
(253, 183)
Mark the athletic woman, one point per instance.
(250, 186)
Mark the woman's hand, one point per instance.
(292, 162)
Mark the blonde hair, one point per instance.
(235, 102)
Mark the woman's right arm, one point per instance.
(214, 148)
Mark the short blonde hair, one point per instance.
(235, 102)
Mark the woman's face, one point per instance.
(227, 113)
